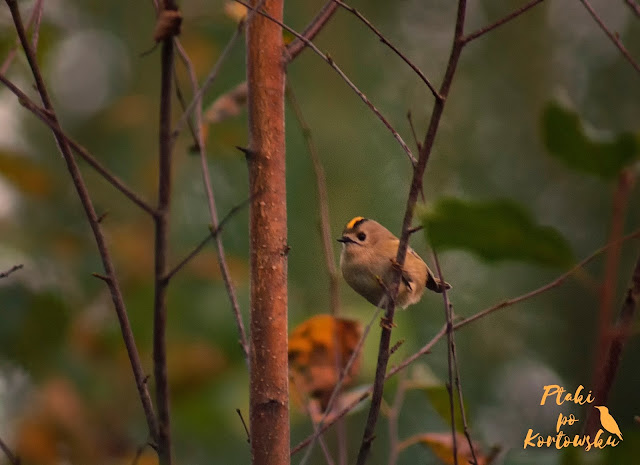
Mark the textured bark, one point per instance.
(269, 384)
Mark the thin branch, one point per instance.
(451, 348)
(323, 204)
(161, 226)
(92, 217)
(621, 195)
(482, 31)
(385, 41)
(336, 68)
(413, 131)
(13, 269)
(416, 188)
(213, 210)
(454, 374)
(213, 233)
(13, 459)
(614, 37)
(617, 338)
(34, 20)
(635, 7)
(312, 29)
(46, 117)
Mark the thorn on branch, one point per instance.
(248, 153)
(396, 346)
(103, 216)
(102, 277)
(245, 425)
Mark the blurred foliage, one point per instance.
(66, 389)
(565, 138)
(500, 230)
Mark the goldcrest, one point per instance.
(367, 260)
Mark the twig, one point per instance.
(482, 31)
(323, 204)
(413, 131)
(614, 37)
(34, 19)
(92, 217)
(610, 274)
(161, 223)
(451, 348)
(635, 7)
(213, 233)
(46, 117)
(385, 41)
(619, 334)
(416, 188)
(310, 32)
(13, 459)
(213, 211)
(13, 269)
(455, 373)
(336, 68)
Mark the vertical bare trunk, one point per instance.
(269, 385)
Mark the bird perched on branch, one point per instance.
(368, 259)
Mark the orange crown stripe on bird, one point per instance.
(354, 221)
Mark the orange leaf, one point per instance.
(319, 349)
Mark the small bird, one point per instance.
(608, 422)
(367, 261)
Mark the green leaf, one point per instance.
(439, 398)
(497, 230)
(565, 138)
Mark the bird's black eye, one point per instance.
(361, 236)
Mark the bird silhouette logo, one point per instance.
(608, 422)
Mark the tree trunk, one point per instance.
(269, 383)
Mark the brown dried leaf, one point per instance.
(167, 25)
(319, 350)
(227, 105)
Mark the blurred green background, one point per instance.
(66, 390)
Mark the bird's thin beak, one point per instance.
(345, 239)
